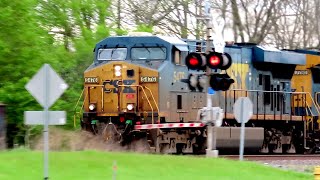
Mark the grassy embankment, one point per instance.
(24, 164)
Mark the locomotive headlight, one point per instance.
(92, 107)
(130, 107)
(117, 73)
(117, 70)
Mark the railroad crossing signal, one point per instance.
(212, 60)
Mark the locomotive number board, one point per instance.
(91, 80)
(301, 72)
(148, 79)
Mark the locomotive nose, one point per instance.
(128, 84)
(138, 89)
(119, 88)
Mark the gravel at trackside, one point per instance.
(295, 165)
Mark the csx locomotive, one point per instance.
(136, 87)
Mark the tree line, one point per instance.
(64, 32)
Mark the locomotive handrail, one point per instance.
(74, 116)
(75, 108)
(152, 111)
(308, 106)
(309, 120)
(285, 92)
(149, 101)
(316, 99)
(153, 98)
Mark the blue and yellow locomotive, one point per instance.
(135, 87)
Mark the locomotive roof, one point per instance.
(129, 41)
(307, 51)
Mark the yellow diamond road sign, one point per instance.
(46, 86)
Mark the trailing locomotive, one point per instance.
(134, 88)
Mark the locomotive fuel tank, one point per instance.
(229, 138)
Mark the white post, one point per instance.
(209, 127)
(211, 131)
(46, 124)
(242, 132)
(214, 134)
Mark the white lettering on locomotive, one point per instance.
(148, 79)
(301, 72)
(91, 80)
(177, 76)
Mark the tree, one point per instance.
(24, 48)
(75, 19)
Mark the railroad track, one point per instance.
(274, 157)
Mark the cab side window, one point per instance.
(179, 57)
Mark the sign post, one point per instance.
(46, 87)
(243, 111)
(211, 144)
(211, 116)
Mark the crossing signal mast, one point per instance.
(211, 61)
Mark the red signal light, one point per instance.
(194, 61)
(214, 60)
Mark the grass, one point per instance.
(94, 165)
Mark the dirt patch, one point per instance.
(64, 140)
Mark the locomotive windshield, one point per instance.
(148, 53)
(112, 54)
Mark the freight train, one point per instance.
(135, 89)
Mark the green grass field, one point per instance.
(24, 165)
